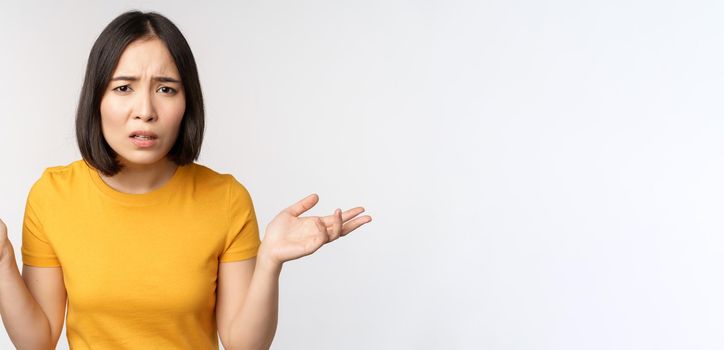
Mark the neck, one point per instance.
(141, 178)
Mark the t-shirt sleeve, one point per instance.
(36, 250)
(242, 241)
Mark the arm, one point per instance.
(254, 324)
(25, 318)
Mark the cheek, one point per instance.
(174, 112)
(179, 107)
(111, 116)
(178, 112)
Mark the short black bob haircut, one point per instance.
(102, 61)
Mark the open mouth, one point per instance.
(143, 138)
(143, 135)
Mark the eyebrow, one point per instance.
(161, 79)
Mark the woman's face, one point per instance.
(145, 94)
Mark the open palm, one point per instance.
(288, 236)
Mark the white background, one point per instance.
(541, 174)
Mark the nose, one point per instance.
(144, 108)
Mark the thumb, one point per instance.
(303, 205)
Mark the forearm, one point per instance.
(254, 326)
(24, 320)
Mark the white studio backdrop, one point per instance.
(541, 174)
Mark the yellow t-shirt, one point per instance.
(140, 269)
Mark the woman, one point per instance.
(151, 250)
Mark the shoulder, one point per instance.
(209, 180)
(60, 172)
(59, 177)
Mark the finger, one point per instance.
(348, 214)
(321, 231)
(303, 205)
(335, 227)
(354, 224)
(329, 220)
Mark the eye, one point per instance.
(122, 88)
(167, 90)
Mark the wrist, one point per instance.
(7, 262)
(265, 262)
(7, 256)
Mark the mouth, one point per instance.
(143, 135)
(143, 139)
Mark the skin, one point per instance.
(247, 300)
(136, 99)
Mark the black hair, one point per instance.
(102, 61)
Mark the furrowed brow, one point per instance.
(124, 77)
(166, 80)
(161, 79)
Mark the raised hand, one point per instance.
(288, 236)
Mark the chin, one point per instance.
(140, 159)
